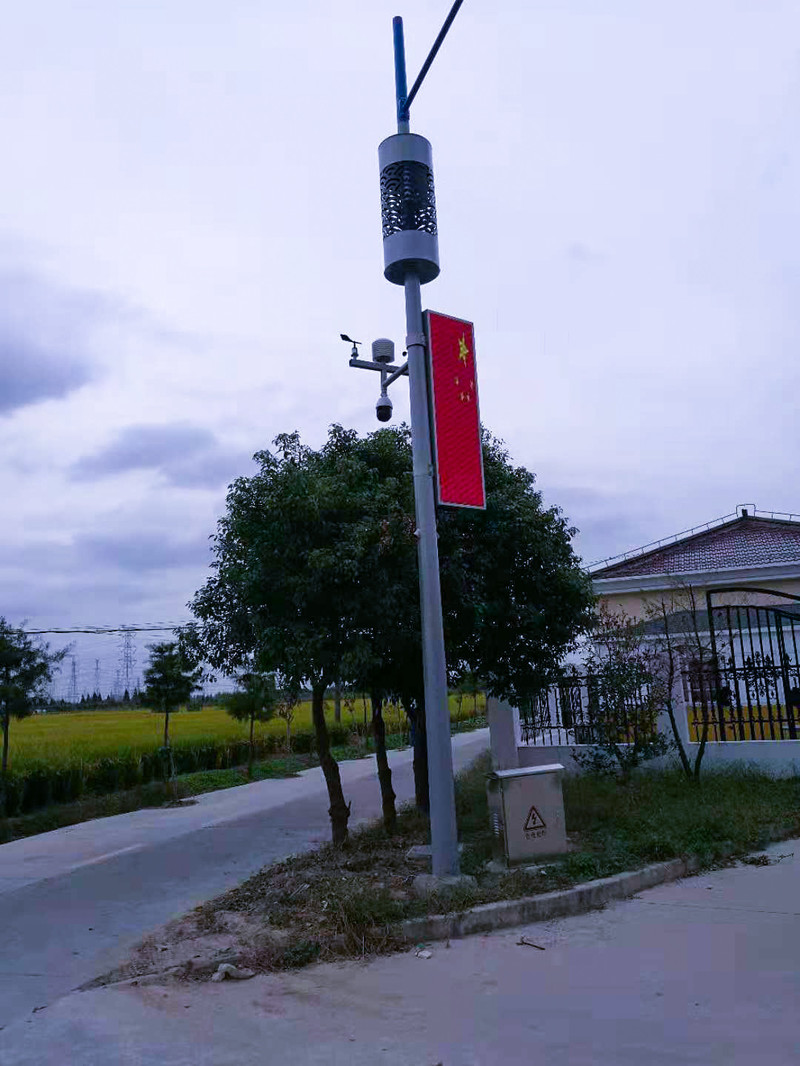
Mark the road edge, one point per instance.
(585, 897)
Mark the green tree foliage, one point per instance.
(626, 695)
(25, 669)
(515, 597)
(315, 576)
(254, 701)
(169, 681)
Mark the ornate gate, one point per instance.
(753, 691)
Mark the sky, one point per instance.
(190, 216)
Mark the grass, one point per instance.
(65, 738)
(334, 903)
(59, 815)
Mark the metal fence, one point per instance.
(753, 699)
(576, 710)
(727, 702)
(750, 689)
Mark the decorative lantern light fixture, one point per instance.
(408, 208)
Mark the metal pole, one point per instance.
(400, 84)
(444, 834)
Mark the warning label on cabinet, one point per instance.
(535, 825)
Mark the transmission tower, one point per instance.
(127, 659)
(73, 682)
(97, 677)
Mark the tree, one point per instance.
(25, 670)
(514, 595)
(253, 702)
(169, 681)
(632, 669)
(315, 576)
(285, 708)
(292, 554)
(679, 638)
(626, 694)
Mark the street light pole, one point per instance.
(444, 834)
(411, 259)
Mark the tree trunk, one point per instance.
(339, 811)
(702, 749)
(415, 709)
(687, 769)
(251, 753)
(173, 781)
(337, 703)
(6, 718)
(4, 771)
(384, 773)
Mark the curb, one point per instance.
(585, 897)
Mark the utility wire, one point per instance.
(103, 630)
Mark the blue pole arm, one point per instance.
(401, 87)
(426, 66)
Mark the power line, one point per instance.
(165, 627)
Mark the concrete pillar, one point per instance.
(503, 733)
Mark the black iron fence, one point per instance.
(750, 689)
(580, 710)
(726, 701)
(753, 699)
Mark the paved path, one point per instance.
(703, 971)
(74, 901)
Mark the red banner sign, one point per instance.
(454, 405)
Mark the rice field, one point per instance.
(86, 736)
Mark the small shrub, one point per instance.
(103, 776)
(300, 954)
(302, 743)
(67, 783)
(128, 771)
(37, 789)
(13, 791)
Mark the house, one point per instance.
(748, 550)
(731, 590)
(725, 597)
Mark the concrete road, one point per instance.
(703, 971)
(74, 901)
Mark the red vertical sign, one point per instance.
(454, 405)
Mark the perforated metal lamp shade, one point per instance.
(408, 208)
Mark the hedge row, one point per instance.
(42, 784)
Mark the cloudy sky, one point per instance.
(189, 217)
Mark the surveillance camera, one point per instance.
(383, 409)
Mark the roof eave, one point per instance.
(733, 575)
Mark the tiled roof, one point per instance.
(741, 542)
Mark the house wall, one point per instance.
(634, 602)
(778, 757)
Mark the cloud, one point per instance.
(142, 551)
(45, 339)
(186, 456)
(609, 521)
(29, 374)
